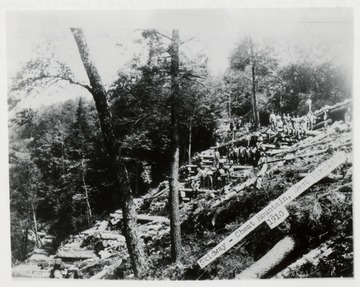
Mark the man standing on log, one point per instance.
(309, 102)
(272, 120)
(201, 175)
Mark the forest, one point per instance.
(74, 163)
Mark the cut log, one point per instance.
(161, 192)
(270, 146)
(107, 269)
(111, 236)
(278, 151)
(300, 147)
(322, 124)
(241, 167)
(324, 150)
(313, 257)
(270, 260)
(237, 188)
(348, 187)
(95, 264)
(313, 133)
(320, 136)
(191, 165)
(331, 176)
(327, 150)
(76, 254)
(207, 162)
(184, 189)
(143, 218)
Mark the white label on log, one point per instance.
(272, 208)
(275, 218)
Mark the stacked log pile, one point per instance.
(98, 252)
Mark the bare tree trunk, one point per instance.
(99, 94)
(190, 140)
(254, 100)
(255, 104)
(25, 246)
(38, 240)
(83, 174)
(174, 177)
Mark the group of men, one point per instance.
(219, 174)
(247, 154)
(211, 177)
(293, 123)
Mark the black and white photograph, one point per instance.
(180, 144)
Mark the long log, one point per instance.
(95, 264)
(314, 144)
(237, 188)
(313, 153)
(107, 269)
(112, 236)
(331, 176)
(76, 254)
(161, 192)
(140, 218)
(313, 133)
(270, 260)
(301, 146)
(241, 167)
(310, 140)
(312, 257)
(150, 218)
(332, 108)
(322, 124)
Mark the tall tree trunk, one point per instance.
(229, 106)
(99, 94)
(83, 175)
(254, 98)
(37, 238)
(255, 103)
(190, 140)
(24, 248)
(174, 177)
